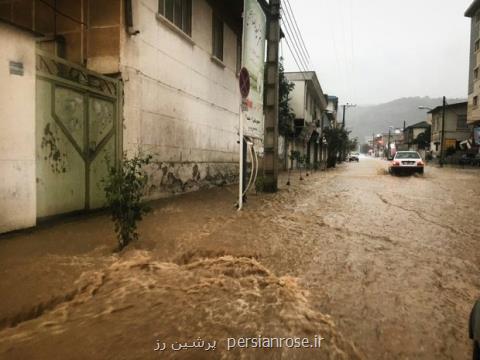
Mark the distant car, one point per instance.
(474, 330)
(354, 157)
(407, 162)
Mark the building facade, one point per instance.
(17, 128)
(157, 76)
(411, 136)
(473, 12)
(473, 113)
(457, 129)
(309, 104)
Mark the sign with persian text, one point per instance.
(253, 59)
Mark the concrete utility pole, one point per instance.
(442, 150)
(270, 166)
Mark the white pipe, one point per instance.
(252, 151)
(240, 184)
(256, 166)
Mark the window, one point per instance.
(462, 122)
(179, 12)
(475, 74)
(477, 45)
(217, 38)
(475, 101)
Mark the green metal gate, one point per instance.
(77, 129)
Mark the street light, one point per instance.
(425, 108)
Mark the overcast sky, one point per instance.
(374, 51)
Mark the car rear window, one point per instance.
(407, 155)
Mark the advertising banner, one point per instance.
(253, 59)
(476, 135)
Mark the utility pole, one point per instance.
(442, 150)
(270, 167)
(389, 136)
(373, 144)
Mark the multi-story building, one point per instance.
(456, 129)
(309, 105)
(115, 76)
(473, 114)
(332, 110)
(411, 136)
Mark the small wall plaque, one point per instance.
(16, 68)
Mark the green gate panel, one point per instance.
(76, 132)
(60, 168)
(98, 171)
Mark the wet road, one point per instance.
(381, 267)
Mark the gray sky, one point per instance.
(374, 51)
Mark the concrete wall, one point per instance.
(297, 101)
(17, 131)
(180, 105)
(451, 131)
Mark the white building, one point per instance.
(309, 105)
(17, 128)
(155, 75)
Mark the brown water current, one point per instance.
(380, 267)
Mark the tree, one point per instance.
(423, 139)
(124, 188)
(338, 142)
(286, 115)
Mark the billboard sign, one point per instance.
(476, 135)
(253, 59)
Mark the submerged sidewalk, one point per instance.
(200, 269)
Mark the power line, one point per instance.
(298, 29)
(295, 59)
(295, 37)
(294, 44)
(54, 8)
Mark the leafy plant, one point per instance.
(286, 116)
(259, 184)
(124, 188)
(338, 144)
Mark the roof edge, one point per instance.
(470, 12)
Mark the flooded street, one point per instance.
(380, 267)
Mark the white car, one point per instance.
(354, 157)
(407, 161)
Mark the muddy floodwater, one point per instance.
(379, 267)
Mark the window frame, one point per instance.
(183, 22)
(462, 118)
(218, 38)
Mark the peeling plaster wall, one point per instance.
(180, 106)
(17, 131)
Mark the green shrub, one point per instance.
(124, 188)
